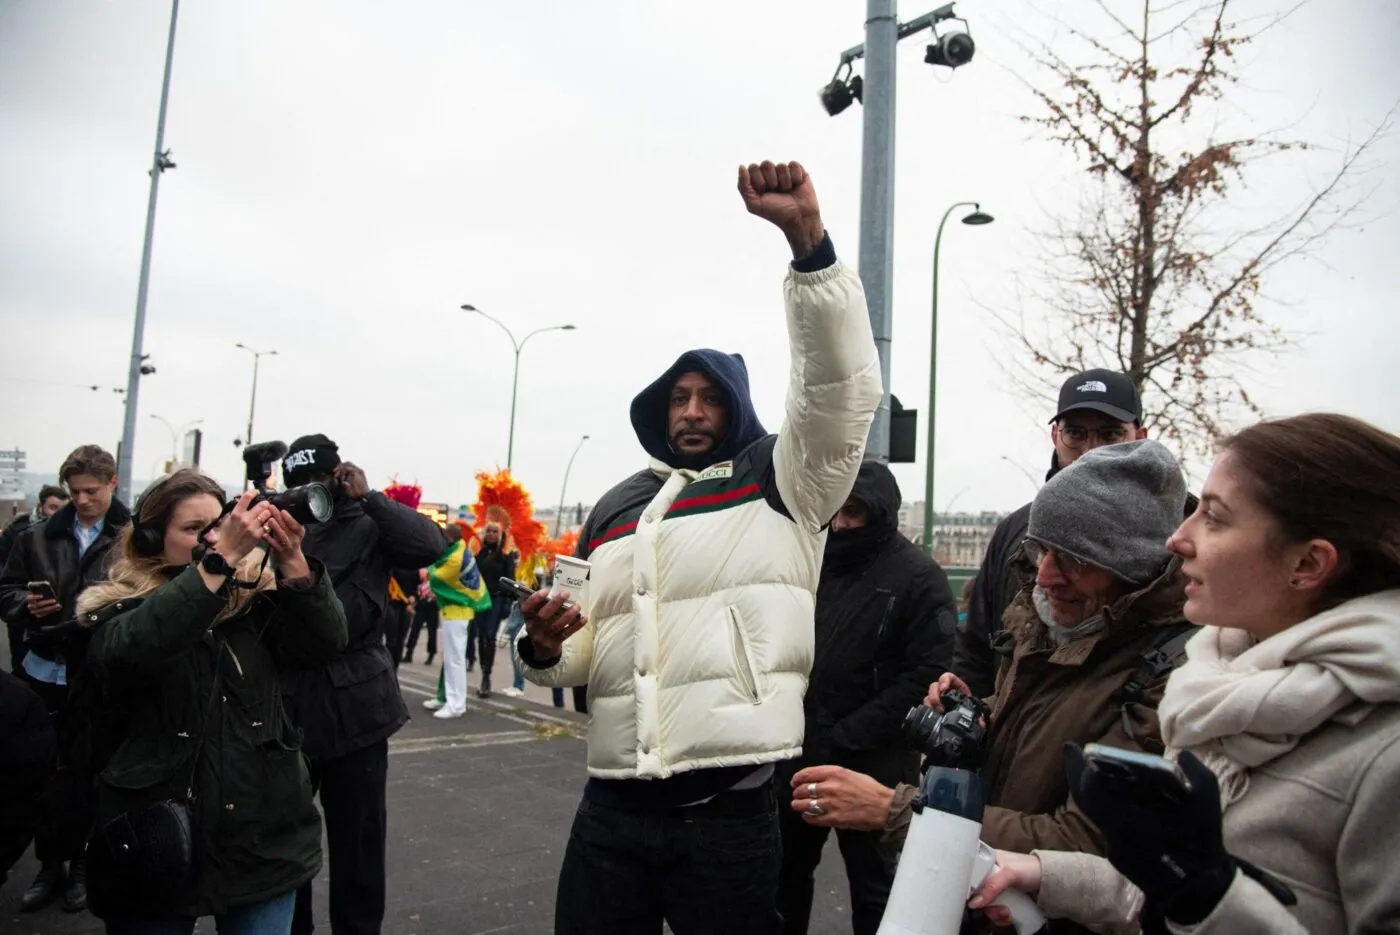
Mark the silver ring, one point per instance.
(811, 790)
(815, 810)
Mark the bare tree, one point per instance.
(1158, 273)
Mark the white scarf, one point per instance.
(1237, 703)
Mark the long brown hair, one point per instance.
(137, 575)
(1329, 476)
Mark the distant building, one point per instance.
(959, 539)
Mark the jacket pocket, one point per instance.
(743, 657)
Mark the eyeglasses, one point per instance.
(1076, 436)
(1071, 568)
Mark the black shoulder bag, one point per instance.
(153, 848)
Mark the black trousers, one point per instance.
(66, 808)
(425, 615)
(706, 869)
(481, 636)
(15, 631)
(352, 790)
(396, 622)
(869, 874)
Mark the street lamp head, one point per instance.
(469, 307)
(838, 95)
(978, 218)
(951, 50)
(567, 328)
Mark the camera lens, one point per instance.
(920, 728)
(310, 503)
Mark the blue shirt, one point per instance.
(46, 670)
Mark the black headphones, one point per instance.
(147, 540)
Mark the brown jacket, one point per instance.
(1047, 696)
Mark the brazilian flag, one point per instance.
(457, 584)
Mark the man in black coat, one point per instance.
(70, 550)
(349, 708)
(884, 628)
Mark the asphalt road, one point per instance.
(479, 813)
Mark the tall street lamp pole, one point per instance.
(253, 402)
(565, 487)
(160, 161)
(976, 218)
(515, 379)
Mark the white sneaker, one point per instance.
(432, 704)
(512, 692)
(446, 713)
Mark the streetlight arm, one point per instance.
(541, 331)
(500, 324)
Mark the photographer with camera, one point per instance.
(203, 798)
(1095, 636)
(1285, 718)
(350, 707)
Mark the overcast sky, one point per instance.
(350, 173)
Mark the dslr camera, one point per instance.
(955, 738)
(309, 503)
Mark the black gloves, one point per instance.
(1170, 846)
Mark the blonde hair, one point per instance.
(135, 575)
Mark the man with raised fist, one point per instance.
(694, 632)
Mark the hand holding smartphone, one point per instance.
(42, 600)
(1143, 776)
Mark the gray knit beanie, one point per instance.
(1114, 508)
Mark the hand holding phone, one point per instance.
(1140, 776)
(42, 600)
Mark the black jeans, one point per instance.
(396, 621)
(482, 634)
(705, 869)
(868, 873)
(425, 615)
(352, 792)
(66, 809)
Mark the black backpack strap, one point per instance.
(1157, 660)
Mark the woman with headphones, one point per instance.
(203, 797)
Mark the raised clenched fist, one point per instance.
(783, 195)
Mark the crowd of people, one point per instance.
(192, 675)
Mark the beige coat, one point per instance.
(1321, 818)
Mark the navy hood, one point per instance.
(651, 409)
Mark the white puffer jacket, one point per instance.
(703, 583)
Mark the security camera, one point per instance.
(951, 50)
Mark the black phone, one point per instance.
(1144, 776)
(524, 591)
(42, 589)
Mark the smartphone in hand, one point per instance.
(42, 589)
(524, 591)
(1144, 776)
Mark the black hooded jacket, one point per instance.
(884, 631)
(354, 701)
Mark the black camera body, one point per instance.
(955, 738)
(308, 504)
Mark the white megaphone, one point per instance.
(944, 862)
